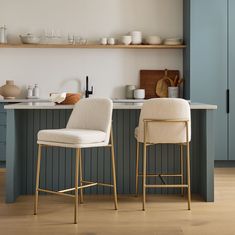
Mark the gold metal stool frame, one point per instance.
(83, 183)
(144, 175)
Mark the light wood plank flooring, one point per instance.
(164, 215)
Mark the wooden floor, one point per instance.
(164, 215)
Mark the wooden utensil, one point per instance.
(180, 82)
(163, 84)
(176, 80)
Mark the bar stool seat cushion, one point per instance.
(71, 136)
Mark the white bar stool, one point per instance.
(164, 121)
(89, 126)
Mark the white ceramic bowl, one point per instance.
(29, 39)
(173, 41)
(126, 40)
(139, 94)
(153, 40)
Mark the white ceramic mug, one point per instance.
(104, 41)
(139, 94)
(111, 41)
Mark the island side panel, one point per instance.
(13, 156)
(207, 156)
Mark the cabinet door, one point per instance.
(208, 65)
(231, 49)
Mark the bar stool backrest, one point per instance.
(92, 114)
(165, 131)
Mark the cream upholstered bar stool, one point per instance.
(164, 121)
(89, 126)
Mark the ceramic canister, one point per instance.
(173, 92)
(130, 91)
(139, 94)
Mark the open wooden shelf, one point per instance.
(92, 46)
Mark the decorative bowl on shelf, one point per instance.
(173, 41)
(29, 39)
(126, 40)
(153, 40)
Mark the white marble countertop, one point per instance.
(50, 105)
(22, 100)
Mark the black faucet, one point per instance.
(87, 92)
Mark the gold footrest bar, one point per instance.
(88, 185)
(100, 184)
(80, 187)
(66, 190)
(56, 193)
(167, 186)
(163, 175)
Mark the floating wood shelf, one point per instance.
(92, 46)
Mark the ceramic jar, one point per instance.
(130, 91)
(10, 90)
(139, 94)
(173, 92)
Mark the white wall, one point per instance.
(65, 69)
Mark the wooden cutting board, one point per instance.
(149, 79)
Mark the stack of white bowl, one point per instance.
(136, 37)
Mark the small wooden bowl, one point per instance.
(71, 98)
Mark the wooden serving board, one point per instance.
(149, 79)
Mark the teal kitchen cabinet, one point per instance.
(206, 61)
(231, 80)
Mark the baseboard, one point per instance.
(225, 164)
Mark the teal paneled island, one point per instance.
(25, 120)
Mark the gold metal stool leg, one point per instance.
(144, 168)
(37, 180)
(81, 177)
(114, 173)
(137, 169)
(188, 176)
(182, 167)
(76, 186)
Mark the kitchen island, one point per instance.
(57, 168)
